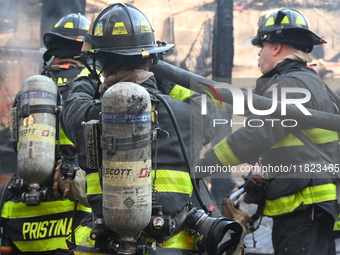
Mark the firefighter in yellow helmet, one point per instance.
(123, 49)
(40, 224)
(302, 201)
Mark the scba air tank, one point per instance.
(126, 152)
(37, 129)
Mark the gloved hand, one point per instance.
(254, 183)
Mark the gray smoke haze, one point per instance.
(22, 25)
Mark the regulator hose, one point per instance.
(184, 151)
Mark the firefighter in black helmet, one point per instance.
(286, 26)
(63, 46)
(28, 229)
(299, 194)
(122, 47)
(62, 64)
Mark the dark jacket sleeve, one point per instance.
(79, 107)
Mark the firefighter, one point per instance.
(62, 64)
(123, 49)
(41, 225)
(302, 202)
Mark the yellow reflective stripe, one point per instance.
(285, 20)
(336, 226)
(181, 241)
(42, 244)
(69, 25)
(224, 154)
(270, 22)
(63, 140)
(12, 210)
(85, 72)
(172, 181)
(300, 21)
(288, 141)
(99, 30)
(86, 253)
(82, 236)
(119, 29)
(306, 196)
(61, 80)
(93, 184)
(317, 135)
(180, 93)
(145, 27)
(153, 108)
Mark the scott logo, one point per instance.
(239, 100)
(144, 172)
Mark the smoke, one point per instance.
(22, 25)
(52, 11)
(7, 21)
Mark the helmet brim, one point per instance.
(250, 42)
(314, 39)
(51, 37)
(136, 51)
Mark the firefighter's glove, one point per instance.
(254, 183)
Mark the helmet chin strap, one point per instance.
(92, 69)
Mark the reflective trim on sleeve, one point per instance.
(224, 154)
(306, 196)
(63, 138)
(180, 93)
(317, 135)
(93, 184)
(336, 226)
(84, 73)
